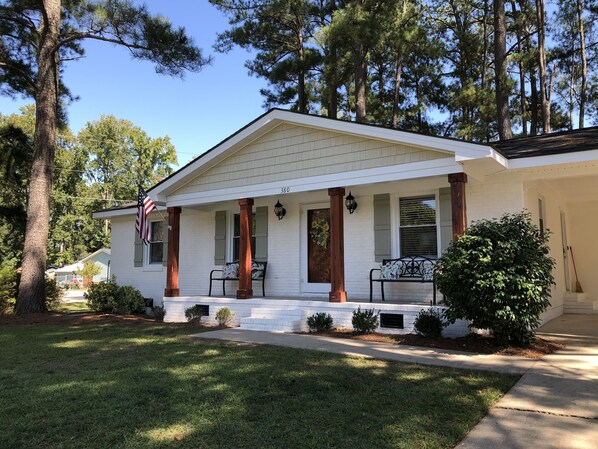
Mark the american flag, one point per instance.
(145, 206)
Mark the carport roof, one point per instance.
(563, 142)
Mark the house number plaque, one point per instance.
(286, 189)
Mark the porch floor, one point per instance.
(316, 298)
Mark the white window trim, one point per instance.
(230, 234)
(396, 220)
(155, 266)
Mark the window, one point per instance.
(237, 236)
(417, 226)
(156, 247)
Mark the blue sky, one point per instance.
(197, 112)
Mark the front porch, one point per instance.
(289, 314)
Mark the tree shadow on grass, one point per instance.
(151, 386)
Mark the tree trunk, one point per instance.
(396, 91)
(521, 66)
(360, 83)
(584, 64)
(332, 83)
(501, 72)
(301, 90)
(32, 286)
(544, 97)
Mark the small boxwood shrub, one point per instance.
(498, 276)
(159, 313)
(366, 321)
(319, 322)
(429, 323)
(224, 315)
(194, 313)
(109, 297)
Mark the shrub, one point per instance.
(109, 297)
(498, 276)
(8, 286)
(319, 322)
(54, 293)
(224, 315)
(131, 300)
(194, 313)
(159, 313)
(366, 321)
(429, 323)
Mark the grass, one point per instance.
(66, 307)
(146, 385)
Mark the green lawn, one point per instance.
(138, 385)
(80, 306)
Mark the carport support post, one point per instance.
(458, 203)
(337, 246)
(245, 290)
(172, 264)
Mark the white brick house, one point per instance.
(310, 164)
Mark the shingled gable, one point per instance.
(459, 150)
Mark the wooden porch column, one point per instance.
(245, 290)
(337, 246)
(172, 264)
(458, 203)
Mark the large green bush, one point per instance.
(109, 297)
(498, 276)
(54, 293)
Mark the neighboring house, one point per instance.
(414, 193)
(67, 274)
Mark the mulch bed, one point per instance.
(475, 343)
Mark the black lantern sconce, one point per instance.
(350, 203)
(279, 211)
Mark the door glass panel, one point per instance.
(318, 245)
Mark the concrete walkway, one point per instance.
(553, 406)
(384, 351)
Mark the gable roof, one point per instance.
(563, 142)
(462, 150)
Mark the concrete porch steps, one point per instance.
(275, 320)
(579, 303)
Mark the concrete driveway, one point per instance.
(73, 296)
(555, 404)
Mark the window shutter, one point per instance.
(138, 254)
(165, 235)
(445, 218)
(382, 242)
(220, 238)
(261, 233)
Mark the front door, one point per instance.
(315, 272)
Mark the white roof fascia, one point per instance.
(555, 159)
(435, 167)
(461, 150)
(120, 212)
